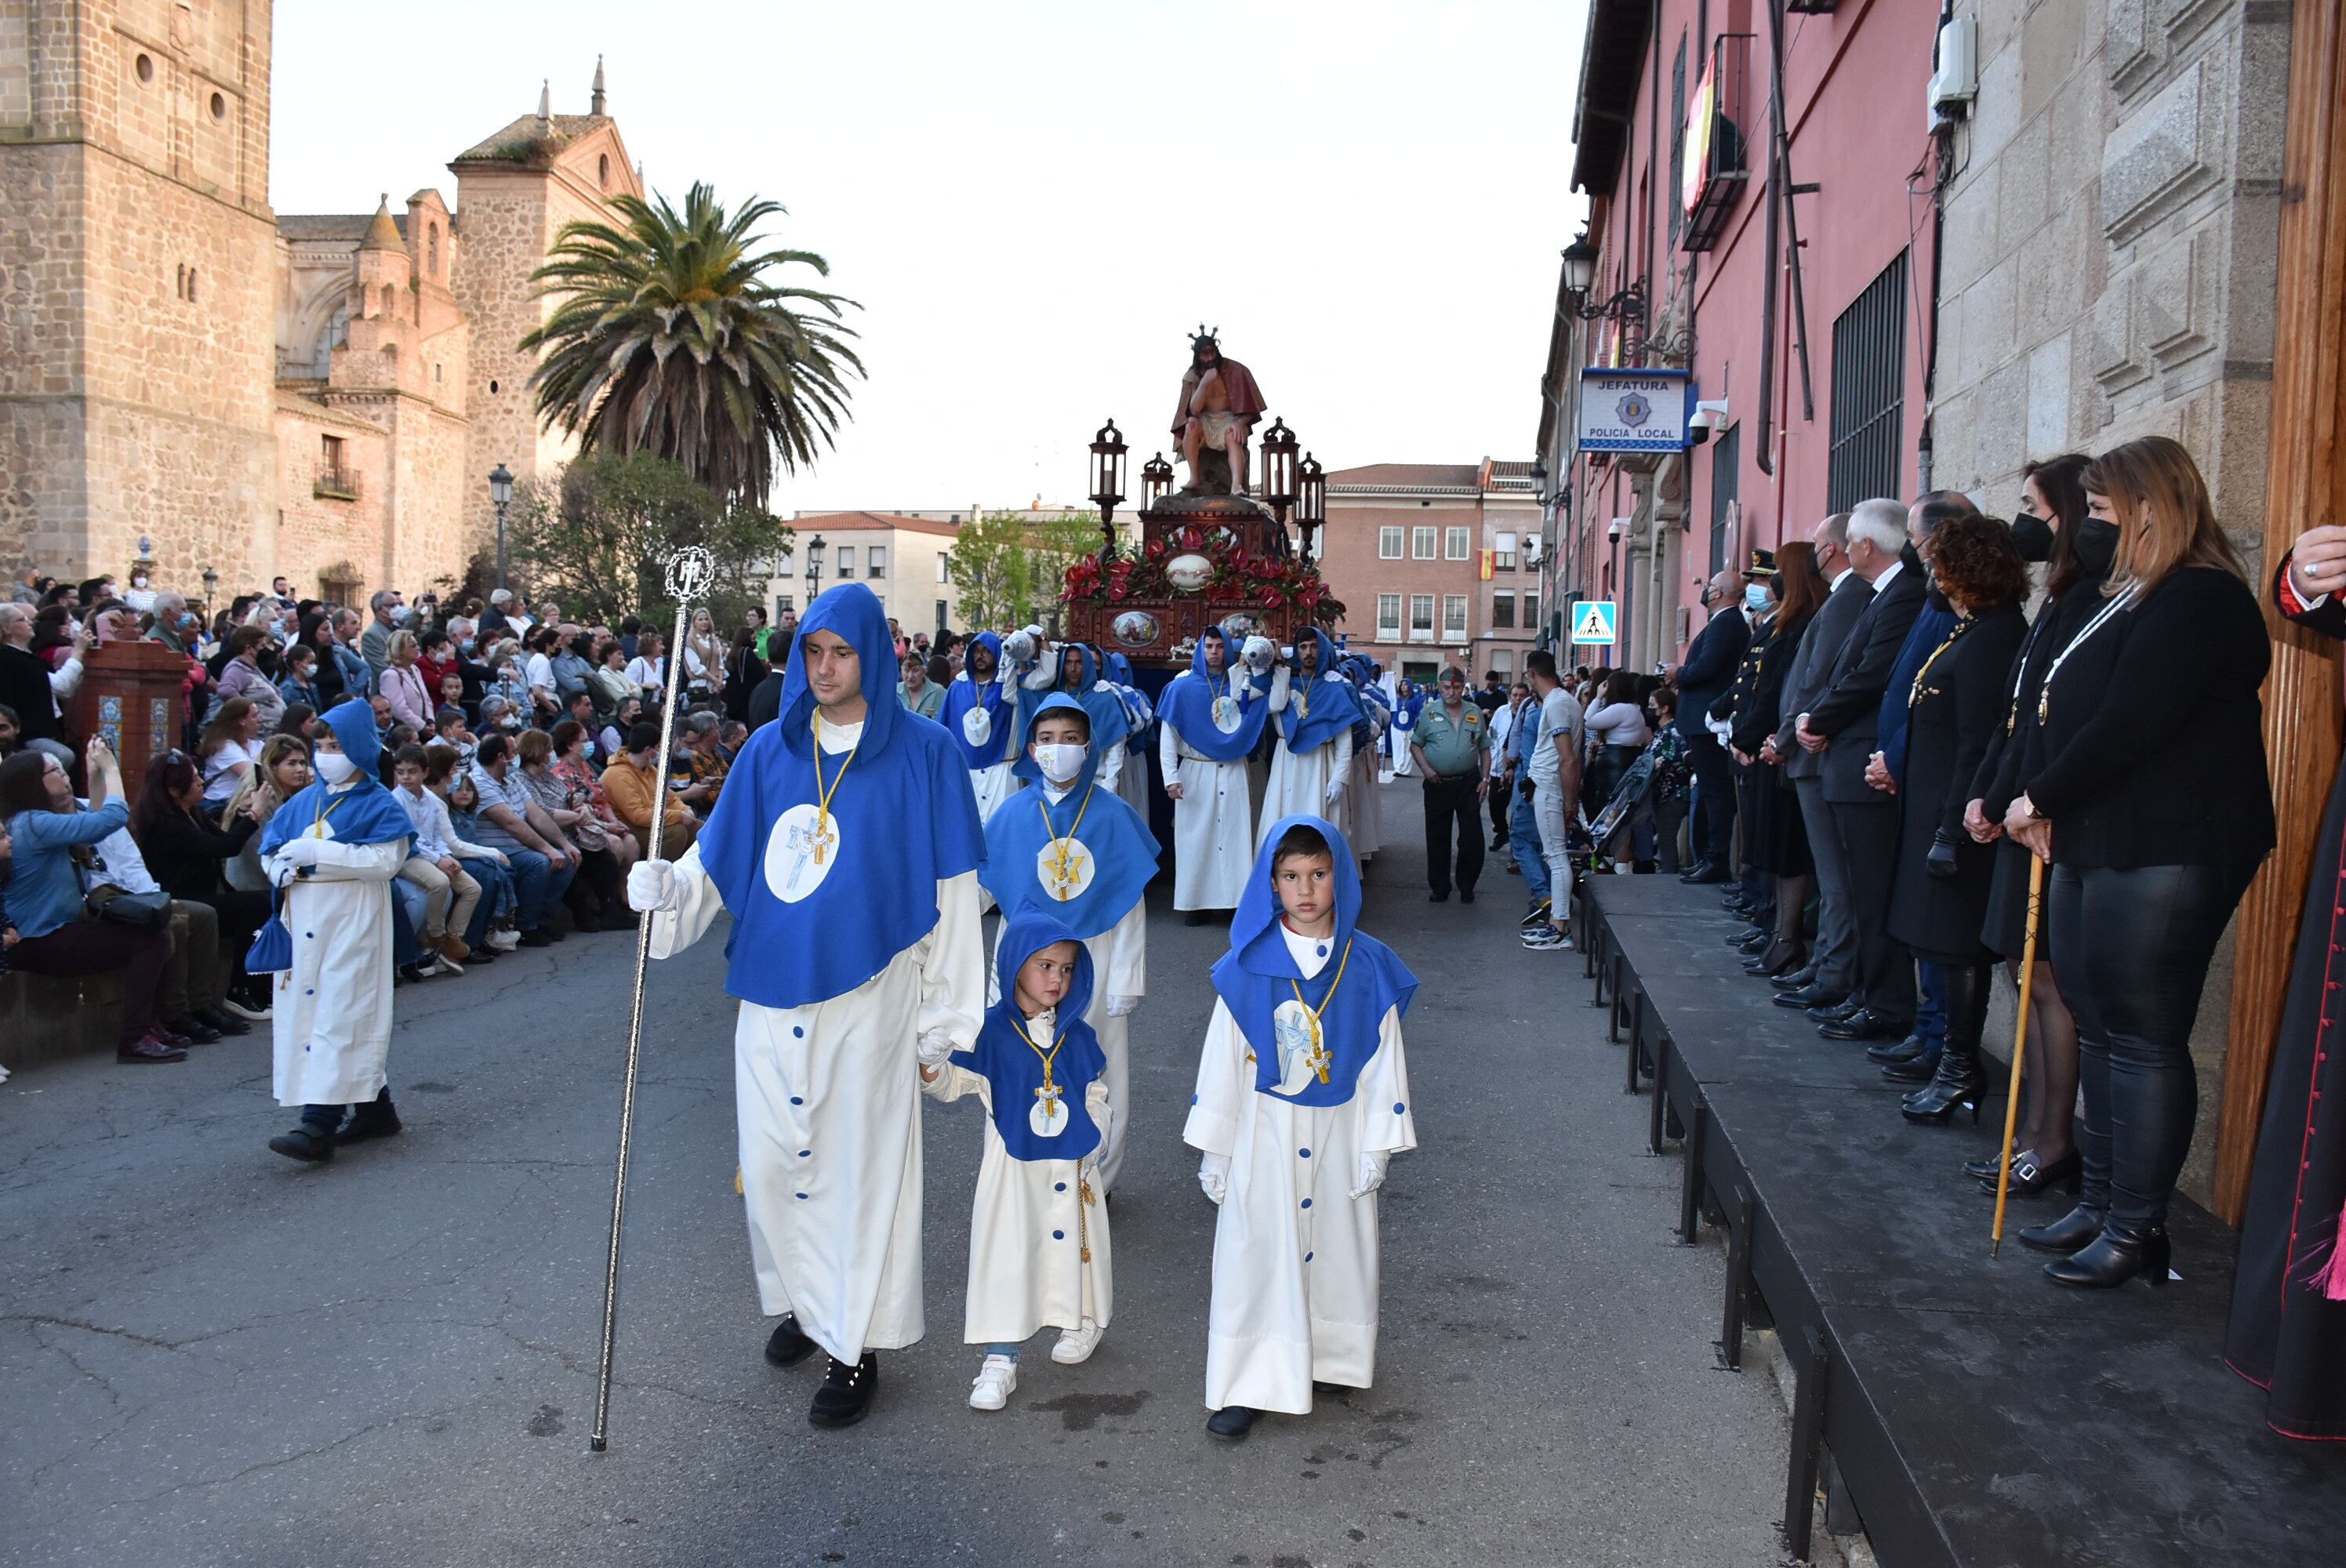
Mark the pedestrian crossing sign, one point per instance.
(1593, 622)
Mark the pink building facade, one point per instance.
(1825, 386)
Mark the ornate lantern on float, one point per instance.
(1108, 483)
(1279, 445)
(1311, 500)
(1155, 482)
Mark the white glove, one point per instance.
(301, 852)
(1123, 1007)
(652, 887)
(1373, 1172)
(1019, 646)
(1259, 653)
(1214, 1176)
(935, 1045)
(1335, 787)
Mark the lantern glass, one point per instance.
(1579, 264)
(814, 563)
(1311, 492)
(1279, 445)
(1107, 465)
(500, 484)
(1156, 480)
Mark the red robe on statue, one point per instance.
(1246, 397)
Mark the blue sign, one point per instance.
(1593, 622)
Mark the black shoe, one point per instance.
(2123, 1249)
(786, 1346)
(1984, 1167)
(1840, 1011)
(1958, 1084)
(220, 1022)
(1755, 943)
(1808, 996)
(535, 938)
(1919, 1069)
(1706, 874)
(846, 1392)
(306, 1142)
(1865, 1023)
(479, 955)
(150, 1051)
(2069, 1234)
(556, 932)
(1891, 1052)
(2029, 1178)
(1437, 897)
(1538, 915)
(1804, 975)
(378, 1120)
(1231, 1422)
(194, 1030)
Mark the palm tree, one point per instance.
(670, 335)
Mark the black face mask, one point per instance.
(2033, 538)
(2097, 544)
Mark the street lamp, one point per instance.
(211, 591)
(1107, 484)
(1626, 307)
(1155, 482)
(1311, 500)
(814, 569)
(501, 492)
(1279, 444)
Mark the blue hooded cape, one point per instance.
(902, 809)
(1138, 711)
(1122, 849)
(1002, 1056)
(964, 696)
(1110, 723)
(361, 813)
(1188, 705)
(1330, 705)
(1364, 673)
(1259, 973)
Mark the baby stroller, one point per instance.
(1619, 814)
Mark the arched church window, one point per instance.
(603, 171)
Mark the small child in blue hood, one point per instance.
(1038, 1249)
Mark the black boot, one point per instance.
(846, 1392)
(788, 1347)
(2069, 1233)
(1233, 1422)
(378, 1119)
(313, 1141)
(1958, 1084)
(2123, 1249)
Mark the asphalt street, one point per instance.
(210, 1355)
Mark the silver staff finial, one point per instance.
(690, 571)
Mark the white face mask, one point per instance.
(335, 767)
(1061, 762)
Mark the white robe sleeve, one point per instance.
(952, 1082)
(1095, 1101)
(341, 862)
(953, 967)
(1112, 765)
(675, 929)
(1039, 677)
(1343, 750)
(1168, 753)
(1387, 1126)
(1127, 953)
(1279, 690)
(1224, 1084)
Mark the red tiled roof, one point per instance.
(1406, 476)
(850, 522)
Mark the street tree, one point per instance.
(675, 335)
(1007, 566)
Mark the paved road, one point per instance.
(208, 1355)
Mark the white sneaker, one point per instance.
(1076, 1345)
(1547, 938)
(504, 940)
(995, 1381)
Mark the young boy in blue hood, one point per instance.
(1302, 1098)
(1039, 1247)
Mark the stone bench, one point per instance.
(49, 1017)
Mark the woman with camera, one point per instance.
(1938, 893)
(2154, 807)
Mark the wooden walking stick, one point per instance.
(690, 571)
(2019, 1045)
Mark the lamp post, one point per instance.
(813, 569)
(501, 492)
(1107, 484)
(211, 592)
(1311, 500)
(1155, 482)
(1628, 306)
(1279, 444)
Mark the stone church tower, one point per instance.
(138, 258)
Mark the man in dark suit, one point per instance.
(1832, 975)
(1703, 679)
(1843, 726)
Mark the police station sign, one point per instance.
(1635, 409)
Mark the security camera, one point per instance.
(1619, 527)
(1709, 415)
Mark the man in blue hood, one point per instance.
(845, 847)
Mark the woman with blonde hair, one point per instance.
(402, 684)
(2153, 806)
(283, 773)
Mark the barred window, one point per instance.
(1868, 392)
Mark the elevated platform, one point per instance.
(1971, 1414)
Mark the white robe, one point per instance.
(1213, 824)
(1367, 833)
(1030, 1227)
(1119, 968)
(828, 1100)
(992, 785)
(1299, 785)
(1294, 1295)
(330, 1013)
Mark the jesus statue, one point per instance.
(1219, 405)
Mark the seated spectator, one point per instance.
(229, 746)
(731, 736)
(284, 772)
(506, 682)
(499, 716)
(636, 785)
(401, 682)
(436, 661)
(188, 852)
(51, 837)
(448, 728)
(301, 722)
(299, 684)
(613, 740)
(544, 860)
(450, 893)
(241, 677)
(610, 684)
(595, 900)
(451, 689)
(698, 762)
(12, 734)
(35, 689)
(491, 931)
(573, 663)
(648, 671)
(571, 765)
(578, 709)
(201, 976)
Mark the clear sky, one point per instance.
(1037, 201)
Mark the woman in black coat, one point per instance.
(1773, 834)
(2075, 549)
(1939, 883)
(2155, 808)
